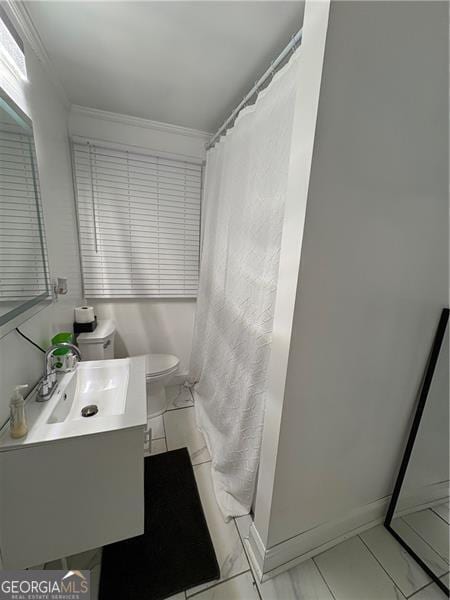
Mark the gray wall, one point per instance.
(374, 265)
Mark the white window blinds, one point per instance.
(23, 255)
(139, 223)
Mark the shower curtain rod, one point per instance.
(295, 40)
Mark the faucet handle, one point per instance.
(71, 362)
(44, 387)
(49, 379)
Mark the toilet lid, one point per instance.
(157, 364)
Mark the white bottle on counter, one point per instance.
(18, 421)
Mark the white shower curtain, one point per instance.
(245, 189)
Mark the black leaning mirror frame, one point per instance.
(435, 350)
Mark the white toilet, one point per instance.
(99, 345)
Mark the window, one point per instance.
(139, 223)
(11, 47)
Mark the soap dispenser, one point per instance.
(18, 422)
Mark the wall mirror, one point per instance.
(418, 516)
(24, 279)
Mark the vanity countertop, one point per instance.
(40, 430)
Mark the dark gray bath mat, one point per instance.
(175, 552)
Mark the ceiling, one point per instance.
(186, 63)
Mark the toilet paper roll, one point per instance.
(84, 314)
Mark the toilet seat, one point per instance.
(160, 364)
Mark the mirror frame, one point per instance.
(425, 388)
(27, 309)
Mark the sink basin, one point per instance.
(115, 389)
(100, 383)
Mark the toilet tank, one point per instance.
(98, 344)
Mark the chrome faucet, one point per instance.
(48, 383)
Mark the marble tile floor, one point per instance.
(179, 397)
(371, 566)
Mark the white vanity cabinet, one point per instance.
(76, 483)
(64, 497)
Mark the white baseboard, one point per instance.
(267, 563)
(256, 552)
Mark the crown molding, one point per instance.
(105, 115)
(22, 20)
(105, 143)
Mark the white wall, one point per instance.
(307, 99)
(373, 275)
(155, 326)
(19, 361)
(160, 326)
